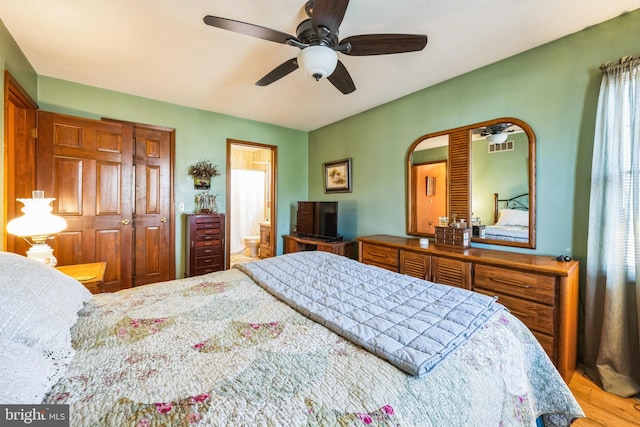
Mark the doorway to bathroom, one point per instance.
(251, 197)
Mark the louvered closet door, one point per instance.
(152, 210)
(87, 166)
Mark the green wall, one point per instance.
(554, 88)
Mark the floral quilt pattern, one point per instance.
(219, 350)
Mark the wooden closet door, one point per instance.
(152, 211)
(87, 166)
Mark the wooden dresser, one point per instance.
(205, 240)
(298, 244)
(541, 291)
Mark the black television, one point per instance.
(318, 220)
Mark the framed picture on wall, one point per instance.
(337, 176)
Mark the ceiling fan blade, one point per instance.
(279, 72)
(248, 29)
(329, 14)
(383, 44)
(341, 79)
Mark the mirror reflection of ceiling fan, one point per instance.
(496, 134)
(317, 39)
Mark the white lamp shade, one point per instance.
(317, 61)
(497, 138)
(37, 221)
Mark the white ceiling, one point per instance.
(161, 49)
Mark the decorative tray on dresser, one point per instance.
(540, 290)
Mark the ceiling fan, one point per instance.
(317, 39)
(495, 133)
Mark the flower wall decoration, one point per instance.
(202, 172)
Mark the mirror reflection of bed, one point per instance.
(510, 219)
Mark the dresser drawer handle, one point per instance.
(507, 282)
(378, 255)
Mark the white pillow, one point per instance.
(51, 290)
(513, 217)
(38, 307)
(25, 374)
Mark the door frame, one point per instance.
(273, 199)
(19, 179)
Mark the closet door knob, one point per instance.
(125, 222)
(163, 220)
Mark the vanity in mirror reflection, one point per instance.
(483, 174)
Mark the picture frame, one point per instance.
(337, 176)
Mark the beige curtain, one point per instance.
(612, 301)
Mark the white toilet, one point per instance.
(251, 243)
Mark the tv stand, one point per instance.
(294, 243)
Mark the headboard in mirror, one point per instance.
(463, 168)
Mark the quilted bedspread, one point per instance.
(219, 350)
(412, 323)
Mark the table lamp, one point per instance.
(36, 226)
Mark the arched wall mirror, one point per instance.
(482, 173)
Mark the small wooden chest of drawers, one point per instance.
(455, 237)
(205, 249)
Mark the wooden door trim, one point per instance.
(11, 86)
(273, 191)
(14, 94)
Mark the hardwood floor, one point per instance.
(600, 407)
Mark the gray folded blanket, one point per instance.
(412, 323)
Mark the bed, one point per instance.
(229, 348)
(510, 219)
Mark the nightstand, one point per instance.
(91, 275)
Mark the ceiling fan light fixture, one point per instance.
(496, 138)
(317, 61)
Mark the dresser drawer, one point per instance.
(207, 219)
(207, 261)
(208, 251)
(202, 231)
(536, 287)
(207, 226)
(380, 256)
(537, 317)
(207, 239)
(205, 270)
